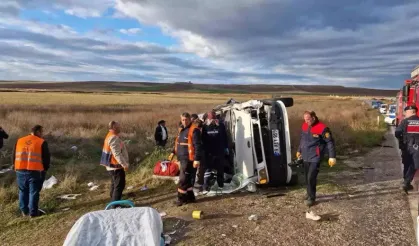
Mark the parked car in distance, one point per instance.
(383, 108)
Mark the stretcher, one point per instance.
(134, 226)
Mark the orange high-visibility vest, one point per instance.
(191, 148)
(29, 153)
(108, 158)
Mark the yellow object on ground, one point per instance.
(197, 214)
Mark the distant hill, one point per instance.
(111, 86)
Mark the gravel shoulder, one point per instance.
(366, 207)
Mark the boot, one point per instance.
(191, 197)
(309, 202)
(181, 199)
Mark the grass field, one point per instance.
(80, 120)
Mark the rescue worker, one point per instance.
(200, 170)
(116, 160)
(315, 136)
(188, 151)
(31, 158)
(407, 132)
(215, 145)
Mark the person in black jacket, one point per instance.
(215, 143)
(161, 134)
(3, 135)
(407, 132)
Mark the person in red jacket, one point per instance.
(315, 136)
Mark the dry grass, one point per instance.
(80, 120)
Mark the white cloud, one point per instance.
(130, 31)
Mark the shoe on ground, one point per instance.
(312, 216)
(410, 187)
(405, 188)
(179, 203)
(309, 202)
(24, 215)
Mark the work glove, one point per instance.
(298, 155)
(170, 158)
(332, 162)
(125, 167)
(196, 164)
(226, 151)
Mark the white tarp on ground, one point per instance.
(126, 226)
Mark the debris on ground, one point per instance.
(130, 187)
(48, 184)
(69, 196)
(144, 188)
(312, 216)
(5, 170)
(74, 148)
(223, 235)
(251, 187)
(253, 217)
(65, 209)
(162, 214)
(235, 226)
(167, 239)
(94, 187)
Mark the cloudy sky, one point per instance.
(367, 43)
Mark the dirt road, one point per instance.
(365, 207)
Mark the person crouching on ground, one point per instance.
(31, 158)
(315, 135)
(115, 159)
(188, 151)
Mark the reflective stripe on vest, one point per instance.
(191, 149)
(29, 153)
(412, 126)
(107, 159)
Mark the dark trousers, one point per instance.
(200, 173)
(311, 170)
(161, 143)
(30, 185)
(117, 184)
(409, 159)
(186, 181)
(214, 162)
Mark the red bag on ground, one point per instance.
(166, 168)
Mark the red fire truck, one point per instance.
(408, 95)
(399, 107)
